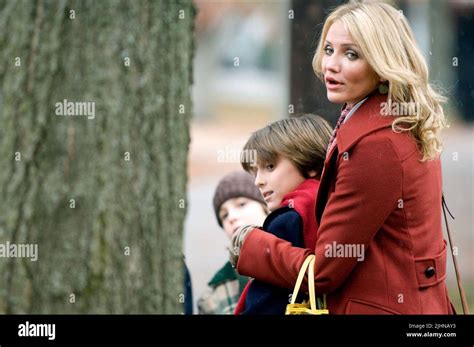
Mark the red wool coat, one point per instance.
(375, 194)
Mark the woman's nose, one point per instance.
(332, 63)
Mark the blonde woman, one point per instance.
(379, 247)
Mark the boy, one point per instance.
(290, 158)
(237, 202)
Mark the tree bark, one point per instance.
(103, 197)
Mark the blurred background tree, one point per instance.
(104, 198)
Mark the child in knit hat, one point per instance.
(237, 202)
(290, 159)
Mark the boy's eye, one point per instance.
(224, 216)
(270, 167)
(352, 55)
(242, 204)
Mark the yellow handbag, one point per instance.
(313, 306)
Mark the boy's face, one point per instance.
(275, 180)
(237, 212)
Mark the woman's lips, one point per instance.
(333, 84)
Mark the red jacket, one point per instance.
(377, 195)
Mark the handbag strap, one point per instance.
(465, 307)
(312, 295)
(312, 292)
(301, 277)
(309, 265)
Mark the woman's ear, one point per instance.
(312, 173)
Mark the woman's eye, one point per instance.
(242, 204)
(270, 167)
(352, 55)
(224, 216)
(328, 50)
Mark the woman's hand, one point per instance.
(237, 241)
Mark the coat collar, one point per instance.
(365, 120)
(226, 273)
(303, 200)
(303, 194)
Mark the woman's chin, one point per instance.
(335, 98)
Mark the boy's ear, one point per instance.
(312, 173)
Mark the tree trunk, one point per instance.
(100, 192)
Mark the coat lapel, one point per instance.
(365, 120)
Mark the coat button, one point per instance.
(430, 271)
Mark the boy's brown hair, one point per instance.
(301, 139)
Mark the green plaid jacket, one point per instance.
(224, 292)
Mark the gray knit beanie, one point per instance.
(234, 185)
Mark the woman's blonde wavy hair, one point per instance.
(387, 42)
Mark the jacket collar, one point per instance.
(365, 120)
(303, 201)
(303, 194)
(226, 273)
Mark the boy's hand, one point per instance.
(237, 242)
